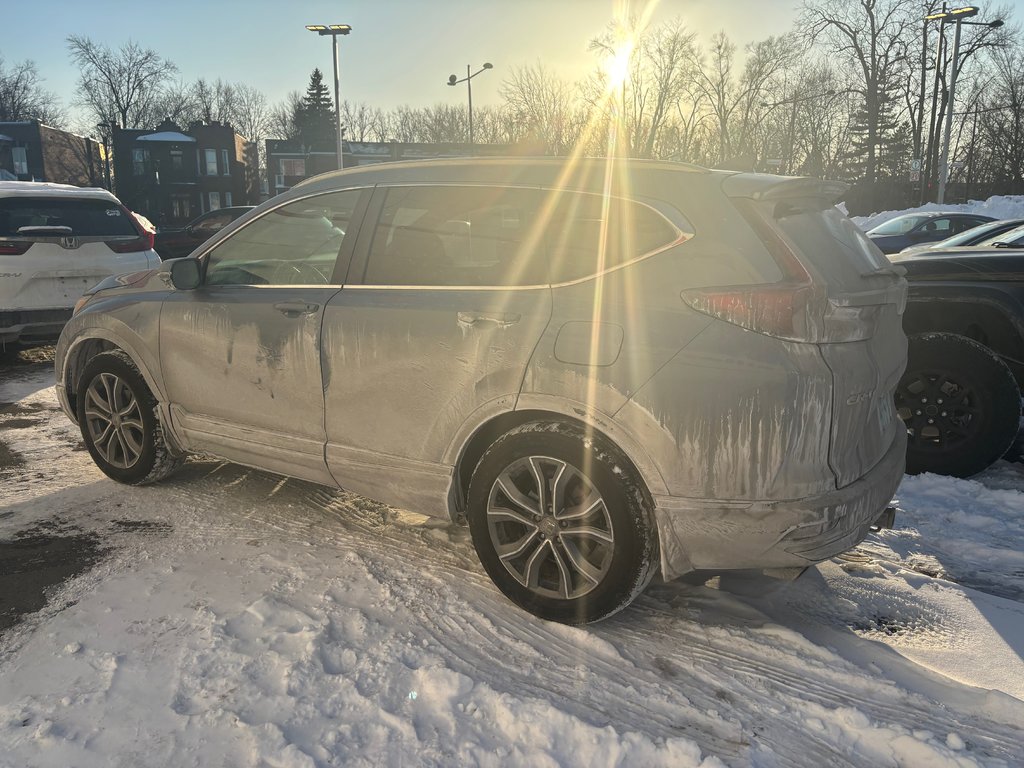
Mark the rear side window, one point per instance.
(84, 217)
(829, 240)
(580, 223)
(458, 236)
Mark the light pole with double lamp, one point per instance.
(453, 80)
(955, 16)
(334, 30)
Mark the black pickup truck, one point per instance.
(961, 394)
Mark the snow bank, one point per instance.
(998, 207)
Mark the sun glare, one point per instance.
(617, 65)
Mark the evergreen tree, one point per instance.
(314, 117)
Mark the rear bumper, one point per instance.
(32, 325)
(697, 534)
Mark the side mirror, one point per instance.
(190, 230)
(186, 274)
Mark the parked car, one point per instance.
(56, 241)
(979, 235)
(921, 228)
(175, 242)
(960, 396)
(675, 371)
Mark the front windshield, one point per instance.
(1014, 237)
(900, 225)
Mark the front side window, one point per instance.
(295, 244)
(211, 161)
(458, 236)
(212, 223)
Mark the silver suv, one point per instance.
(607, 369)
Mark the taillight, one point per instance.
(784, 309)
(14, 247)
(142, 243)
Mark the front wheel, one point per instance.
(960, 402)
(560, 524)
(117, 417)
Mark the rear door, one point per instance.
(434, 328)
(52, 249)
(861, 339)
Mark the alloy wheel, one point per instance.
(550, 527)
(114, 420)
(939, 411)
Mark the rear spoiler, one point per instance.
(758, 186)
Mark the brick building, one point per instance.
(34, 151)
(172, 175)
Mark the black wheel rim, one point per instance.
(942, 411)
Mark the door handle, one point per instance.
(498, 318)
(295, 308)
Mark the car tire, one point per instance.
(576, 551)
(117, 417)
(961, 405)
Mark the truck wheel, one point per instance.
(560, 524)
(960, 403)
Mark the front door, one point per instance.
(240, 355)
(435, 328)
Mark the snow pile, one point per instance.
(242, 619)
(998, 207)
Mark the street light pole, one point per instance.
(957, 15)
(944, 158)
(334, 30)
(468, 79)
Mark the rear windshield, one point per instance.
(84, 217)
(1013, 237)
(830, 241)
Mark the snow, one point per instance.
(998, 207)
(166, 136)
(242, 619)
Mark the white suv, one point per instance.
(57, 241)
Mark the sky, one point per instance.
(399, 52)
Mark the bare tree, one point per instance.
(539, 105)
(874, 36)
(282, 120)
(22, 96)
(122, 85)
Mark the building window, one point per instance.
(211, 161)
(20, 157)
(181, 208)
(225, 166)
(292, 167)
(214, 201)
(177, 161)
(227, 199)
(140, 161)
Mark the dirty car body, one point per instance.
(724, 345)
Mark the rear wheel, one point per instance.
(960, 402)
(117, 416)
(560, 524)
